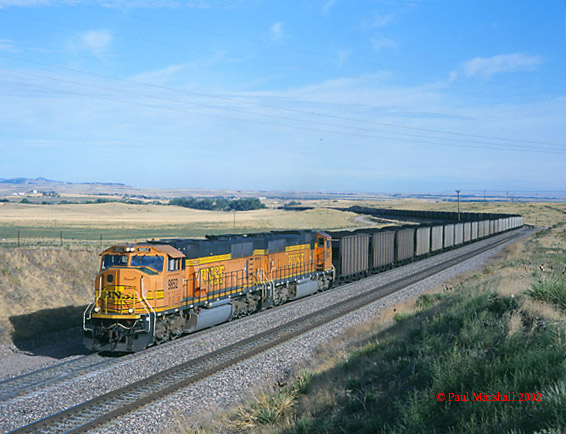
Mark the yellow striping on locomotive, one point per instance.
(209, 259)
(113, 316)
(299, 247)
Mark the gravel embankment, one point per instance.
(232, 385)
(40, 353)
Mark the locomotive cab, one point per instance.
(323, 251)
(133, 286)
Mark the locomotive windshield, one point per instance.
(114, 261)
(153, 262)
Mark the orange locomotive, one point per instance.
(151, 292)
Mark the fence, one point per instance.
(23, 238)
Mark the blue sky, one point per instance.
(332, 95)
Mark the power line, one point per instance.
(488, 145)
(240, 101)
(318, 130)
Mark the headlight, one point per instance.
(131, 310)
(96, 309)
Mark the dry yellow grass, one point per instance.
(39, 288)
(118, 221)
(175, 221)
(539, 213)
(120, 213)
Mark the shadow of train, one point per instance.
(53, 332)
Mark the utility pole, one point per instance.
(458, 193)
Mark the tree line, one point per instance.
(218, 204)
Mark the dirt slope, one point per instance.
(44, 289)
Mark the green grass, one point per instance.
(48, 236)
(464, 344)
(551, 290)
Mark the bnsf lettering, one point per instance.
(296, 259)
(117, 295)
(213, 275)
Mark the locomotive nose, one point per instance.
(118, 292)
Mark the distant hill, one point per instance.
(23, 180)
(10, 186)
(23, 186)
(42, 181)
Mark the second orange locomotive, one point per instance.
(151, 292)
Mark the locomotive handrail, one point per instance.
(265, 283)
(151, 312)
(89, 310)
(90, 307)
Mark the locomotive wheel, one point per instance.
(176, 325)
(161, 330)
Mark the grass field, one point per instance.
(114, 222)
(107, 223)
(535, 213)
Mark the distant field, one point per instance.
(536, 213)
(121, 222)
(107, 223)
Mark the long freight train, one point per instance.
(148, 293)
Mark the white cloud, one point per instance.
(276, 32)
(379, 44)
(328, 5)
(377, 21)
(97, 42)
(7, 45)
(164, 75)
(343, 56)
(486, 67)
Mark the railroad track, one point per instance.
(104, 408)
(26, 383)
